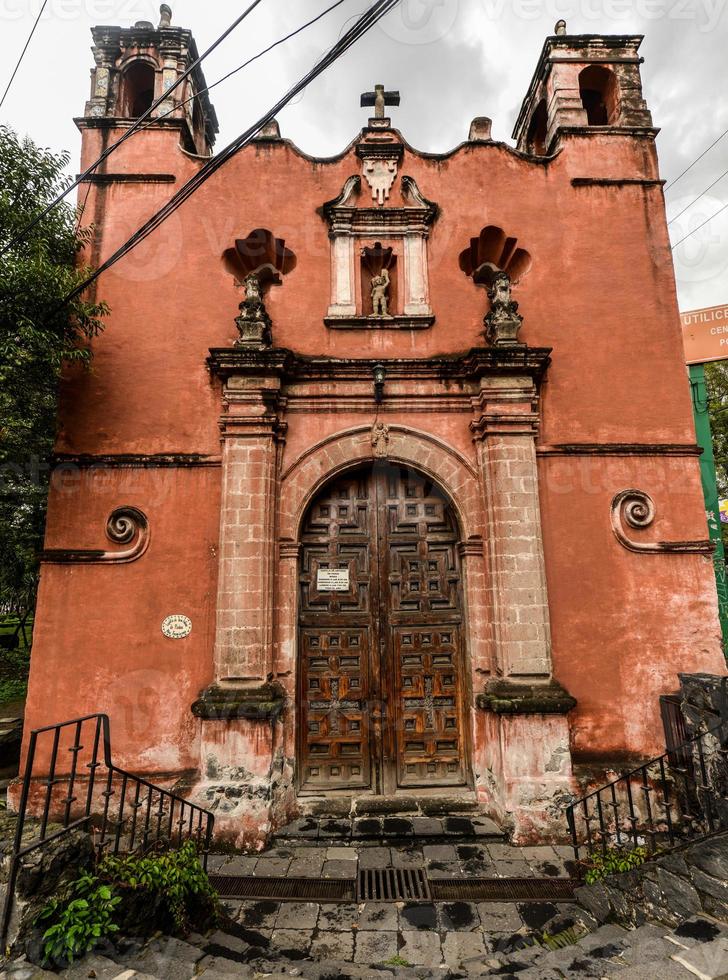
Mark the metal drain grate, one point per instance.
(392, 885)
(395, 885)
(504, 889)
(285, 889)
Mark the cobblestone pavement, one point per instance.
(452, 940)
(408, 940)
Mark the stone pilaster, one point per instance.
(505, 430)
(252, 432)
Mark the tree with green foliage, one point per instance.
(716, 383)
(39, 334)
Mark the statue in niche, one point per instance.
(380, 440)
(380, 287)
(253, 323)
(504, 321)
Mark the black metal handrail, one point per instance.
(125, 813)
(660, 804)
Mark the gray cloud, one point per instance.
(451, 60)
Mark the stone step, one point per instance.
(390, 828)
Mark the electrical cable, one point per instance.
(368, 20)
(22, 53)
(130, 132)
(696, 160)
(695, 200)
(245, 64)
(698, 227)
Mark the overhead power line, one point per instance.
(698, 227)
(130, 132)
(364, 24)
(22, 53)
(696, 160)
(245, 64)
(696, 199)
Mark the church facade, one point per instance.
(383, 482)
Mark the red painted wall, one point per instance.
(600, 291)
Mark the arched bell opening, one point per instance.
(137, 89)
(598, 90)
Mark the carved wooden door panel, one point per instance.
(421, 574)
(380, 678)
(338, 675)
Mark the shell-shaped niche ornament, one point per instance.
(261, 254)
(491, 252)
(257, 262)
(636, 509)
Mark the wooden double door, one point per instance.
(381, 679)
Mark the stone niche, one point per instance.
(365, 240)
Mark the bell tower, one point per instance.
(134, 66)
(583, 84)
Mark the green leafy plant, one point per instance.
(614, 861)
(77, 920)
(567, 937)
(173, 882)
(397, 960)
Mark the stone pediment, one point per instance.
(356, 229)
(348, 210)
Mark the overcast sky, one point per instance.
(450, 59)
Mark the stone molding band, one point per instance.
(263, 703)
(506, 697)
(636, 509)
(135, 460)
(126, 526)
(620, 449)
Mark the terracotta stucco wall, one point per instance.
(600, 292)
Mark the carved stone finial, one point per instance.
(380, 440)
(253, 323)
(504, 321)
(480, 129)
(271, 131)
(560, 28)
(380, 302)
(165, 16)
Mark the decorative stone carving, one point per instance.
(636, 509)
(380, 440)
(380, 287)
(406, 227)
(380, 175)
(126, 525)
(503, 322)
(253, 323)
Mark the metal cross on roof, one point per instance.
(379, 99)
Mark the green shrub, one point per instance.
(614, 861)
(173, 883)
(77, 920)
(167, 891)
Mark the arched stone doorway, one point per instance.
(382, 685)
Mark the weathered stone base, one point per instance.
(245, 780)
(526, 777)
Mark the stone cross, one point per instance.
(379, 99)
